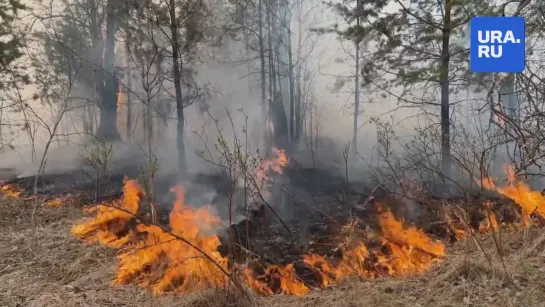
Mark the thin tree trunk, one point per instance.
(272, 73)
(356, 89)
(444, 82)
(84, 117)
(292, 85)
(278, 71)
(262, 62)
(178, 88)
(128, 75)
(108, 111)
(298, 121)
(311, 139)
(97, 51)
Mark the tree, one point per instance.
(265, 26)
(352, 13)
(185, 35)
(76, 31)
(420, 47)
(65, 36)
(107, 128)
(10, 43)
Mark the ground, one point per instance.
(49, 267)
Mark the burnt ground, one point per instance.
(49, 267)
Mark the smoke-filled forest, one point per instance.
(210, 153)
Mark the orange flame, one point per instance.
(530, 201)
(184, 268)
(11, 190)
(490, 222)
(111, 219)
(256, 284)
(158, 259)
(185, 257)
(453, 226)
(58, 201)
(262, 171)
(120, 99)
(412, 250)
(275, 164)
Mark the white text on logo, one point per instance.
(494, 37)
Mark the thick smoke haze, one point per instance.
(231, 108)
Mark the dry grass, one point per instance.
(60, 271)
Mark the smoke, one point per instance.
(229, 111)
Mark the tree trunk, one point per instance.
(292, 86)
(272, 73)
(444, 82)
(262, 62)
(298, 118)
(356, 88)
(178, 88)
(108, 107)
(97, 50)
(298, 96)
(128, 75)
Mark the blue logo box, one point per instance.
(497, 44)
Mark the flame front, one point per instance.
(185, 257)
(530, 201)
(410, 251)
(154, 257)
(111, 226)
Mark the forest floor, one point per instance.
(55, 269)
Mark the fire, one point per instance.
(410, 251)
(14, 191)
(275, 165)
(255, 283)
(11, 190)
(183, 267)
(490, 222)
(531, 202)
(185, 256)
(112, 220)
(284, 277)
(261, 176)
(153, 257)
(454, 226)
(327, 273)
(57, 201)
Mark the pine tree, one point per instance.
(10, 42)
(421, 44)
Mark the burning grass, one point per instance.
(532, 203)
(60, 271)
(11, 191)
(184, 257)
